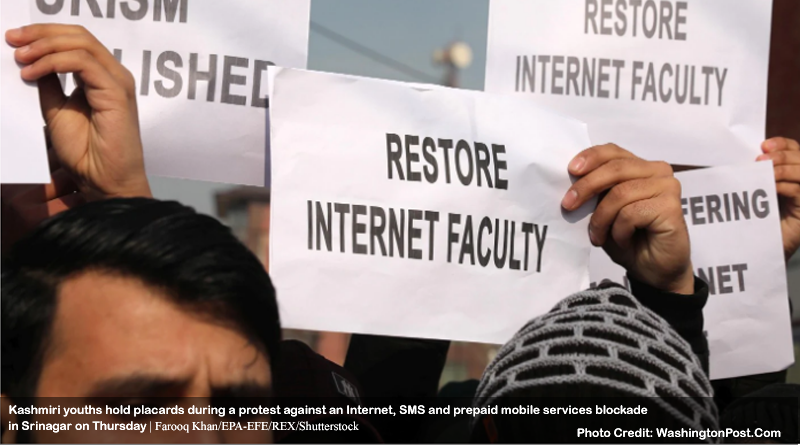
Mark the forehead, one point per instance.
(109, 327)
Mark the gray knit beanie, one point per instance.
(605, 340)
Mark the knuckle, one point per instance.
(41, 46)
(83, 55)
(782, 141)
(126, 73)
(609, 150)
(619, 151)
(617, 166)
(628, 212)
(783, 172)
(85, 40)
(618, 191)
(592, 151)
(29, 32)
(673, 205)
(664, 168)
(128, 81)
(674, 186)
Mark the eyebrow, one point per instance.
(142, 385)
(245, 389)
(137, 385)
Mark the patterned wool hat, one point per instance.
(604, 342)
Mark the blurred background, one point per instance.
(444, 42)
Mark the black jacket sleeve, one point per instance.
(683, 312)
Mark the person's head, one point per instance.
(136, 299)
(598, 348)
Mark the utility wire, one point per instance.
(372, 54)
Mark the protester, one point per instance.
(785, 156)
(604, 345)
(136, 300)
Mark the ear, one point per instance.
(8, 418)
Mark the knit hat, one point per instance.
(604, 344)
(774, 407)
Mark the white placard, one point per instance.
(24, 153)
(622, 67)
(367, 236)
(201, 74)
(734, 226)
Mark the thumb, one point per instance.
(51, 96)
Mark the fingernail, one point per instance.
(14, 33)
(577, 164)
(770, 144)
(762, 158)
(569, 199)
(591, 235)
(23, 49)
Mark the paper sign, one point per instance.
(675, 80)
(734, 225)
(407, 210)
(201, 74)
(24, 153)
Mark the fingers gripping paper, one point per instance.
(675, 80)
(417, 211)
(201, 70)
(24, 155)
(734, 224)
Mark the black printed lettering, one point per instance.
(359, 229)
(393, 156)
(431, 170)
(210, 76)
(412, 158)
(169, 74)
(260, 99)
(377, 222)
(414, 233)
(229, 79)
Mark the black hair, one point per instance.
(193, 258)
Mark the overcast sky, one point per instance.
(407, 31)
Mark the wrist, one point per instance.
(683, 284)
(138, 188)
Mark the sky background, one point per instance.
(407, 31)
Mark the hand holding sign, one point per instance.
(785, 156)
(639, 221)
(95, 131)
